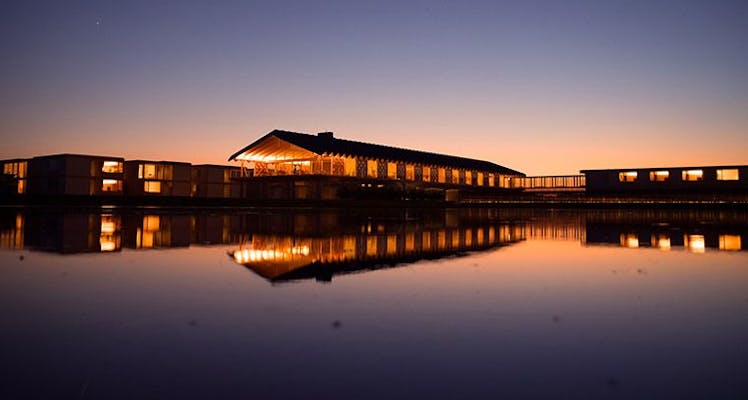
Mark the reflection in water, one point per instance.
(544, 304)
(277, 257)
(280, 244)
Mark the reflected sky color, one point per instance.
(566, 311)
(542, 87)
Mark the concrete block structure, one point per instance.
(157, 178)
(730, 179)
(215, 181)
(75, 174)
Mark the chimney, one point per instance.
(325, 135)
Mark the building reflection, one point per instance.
(279, 244)
(286, 257)
(697, 236)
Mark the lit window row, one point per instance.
(690, 175)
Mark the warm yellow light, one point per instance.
(695, 243)
(728, 174)
(730, 242)
(659, 176)
(628, 176)
(661, 241)
(152, 186)
(629, 240)
(108, 227)
(107, 244)
(111, 167)
(693, 175)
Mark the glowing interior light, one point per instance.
(730, 242)
(628, 176)
(728, 174)
(659, 176)
(661, 241)
(111, 167)
(695, 243)
(693, 175)
(629, 240)
(107, 244)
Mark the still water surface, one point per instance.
(366, 304)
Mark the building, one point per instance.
(336, 163)
(731, 179)
(158, 178)
(215, 181)
(75, 174)
(15, 175)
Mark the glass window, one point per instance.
(659, 176)
(111, 167)
(693, 175)
(371, 167)
(111, 185)
(152, 186)
(392, 170)
(410, 172)
(628, 176)
(731, 174)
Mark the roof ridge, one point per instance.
(391, 147)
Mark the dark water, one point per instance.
(370, 304)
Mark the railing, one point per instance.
(552, 183)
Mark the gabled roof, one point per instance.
(327, 144)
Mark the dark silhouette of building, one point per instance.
(669, 180)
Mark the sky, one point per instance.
(543, 87)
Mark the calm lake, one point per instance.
(373, 304)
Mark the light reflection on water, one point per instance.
(429, 303)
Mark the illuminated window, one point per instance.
(468, 177)
(17, 169)
(455, 176)
(628, 176)
(442, 175)
(371, 168)
(426, 173)
(480, 178)
(152, 186)
(729, 242)
(693, 175)
(728, 174)
(491, 180)
(410, 172)
(111, 167)
(111, 185)
(659, 176)
(349, 166)
(21, 186)
(391, 170)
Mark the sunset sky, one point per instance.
(542, 87)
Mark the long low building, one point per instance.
(331, 160)
(725, 179)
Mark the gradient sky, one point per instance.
(543, 87)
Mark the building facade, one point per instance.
(75, 174)
(288, 154)
(158, 178)
(669, 180)
(215, 181)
